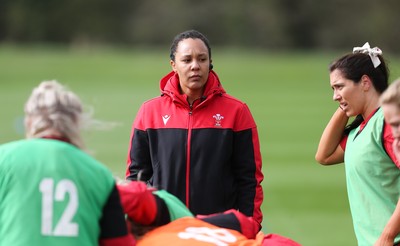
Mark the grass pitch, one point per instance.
(288, 93)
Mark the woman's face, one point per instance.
(192, 64)
(347, 93)
(392, 116)
(391, 112)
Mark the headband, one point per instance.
(372, 52)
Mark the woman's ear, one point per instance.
(366, 82)
(172, 65)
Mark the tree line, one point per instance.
(273, 24)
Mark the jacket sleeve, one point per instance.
(138, 161)
(235, 220)
(248, 166)
(141, 205)
(113, 227)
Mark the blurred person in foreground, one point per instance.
(157, 217)
(51, 191)
(365, 144)
(390, 103)
(196, 141)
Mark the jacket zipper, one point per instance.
(188, 156)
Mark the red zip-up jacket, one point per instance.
(207, 154)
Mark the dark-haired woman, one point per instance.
(364, 145)
(196, 141)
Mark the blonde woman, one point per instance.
(390, 103)
(51, 191)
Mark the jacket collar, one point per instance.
(169, 85)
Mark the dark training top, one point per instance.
(207, 154)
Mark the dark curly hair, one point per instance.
(185, 35)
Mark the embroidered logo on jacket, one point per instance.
(165, 119)
(218, 118)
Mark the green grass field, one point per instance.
(288, 94)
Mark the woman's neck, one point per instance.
(371, 105)
(192, 95)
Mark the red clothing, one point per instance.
(138, 202)
(234, 220)
(206, 154)
(195, 232)
(231, 227)
(143, 207)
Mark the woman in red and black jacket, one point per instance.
(196, 141)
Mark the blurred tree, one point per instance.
(274, 24)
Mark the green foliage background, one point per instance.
(288, 94)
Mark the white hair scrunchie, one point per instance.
(372, 52)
